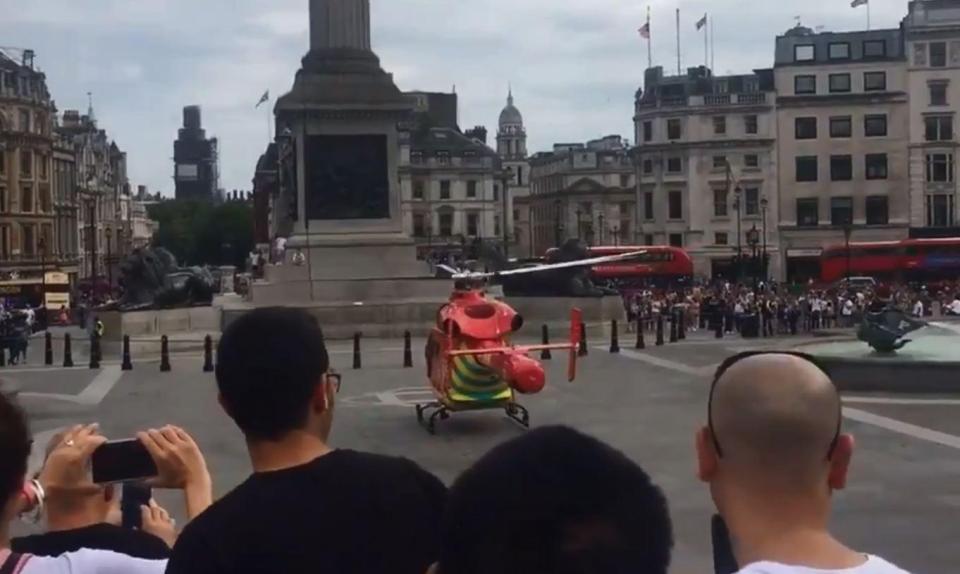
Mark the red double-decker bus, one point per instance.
(660, 264)
(920, 260)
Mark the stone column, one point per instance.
(339, 24)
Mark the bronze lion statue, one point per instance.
(151, 279)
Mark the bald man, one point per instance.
(772, 455)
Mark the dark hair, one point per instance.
(15, 442)
(555, 501)
(269, 363)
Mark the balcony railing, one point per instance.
(716, 99)
(752, 99)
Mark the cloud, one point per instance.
(574, 65)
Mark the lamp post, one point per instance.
(737, 193)
(616, 235)
(92, 241)
(506, 176)
(42, 246)
(764, 203)
(753, 239)
(556, 222)
(109, 235)
(847, 232)
(579, 224)
(602, 228)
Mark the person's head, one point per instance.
(554, 501)
(15, 445)
(272, 375)
(773, 435)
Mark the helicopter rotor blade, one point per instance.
(553, 266)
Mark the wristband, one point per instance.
(35, 495)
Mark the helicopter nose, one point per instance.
(526, 375)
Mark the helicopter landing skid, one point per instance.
(429, 413)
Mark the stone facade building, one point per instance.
(196, 160)
(66, 206)
(512, 149)
(450, 183)
(583, 191)
(707, 166)
(26, 158)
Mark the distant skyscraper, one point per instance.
(197, 164)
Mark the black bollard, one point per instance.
(407, 351)
(127, 364)
(94, 352)
(67, 351)
(48, 349)
(582, 351)
(164, 354)
(614, 337)
(673, 327)
(545, 337)
(659, 330)
(356, 351)
(682, 326)
(208, 354)
(718, 324)
(3, 357)
(641, 344)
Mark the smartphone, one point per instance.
(724, 562)
(122, 461)
(135, 495)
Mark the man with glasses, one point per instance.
(773, 454)
(307, 507)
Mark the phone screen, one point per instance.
(120, 461)
(135, 495)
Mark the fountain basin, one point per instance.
(930, 363)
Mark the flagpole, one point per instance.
(649, 42)
(868, 15)
(679, 71)
(713, 47)
(706, 43)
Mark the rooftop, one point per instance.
(801, 46)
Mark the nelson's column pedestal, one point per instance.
(340, 123)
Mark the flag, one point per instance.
(856, 3)
(645, 31)
(703, 21)
(263, 99)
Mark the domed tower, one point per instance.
(511, 137)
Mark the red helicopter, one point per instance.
(471, 363)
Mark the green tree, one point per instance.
(199, 233)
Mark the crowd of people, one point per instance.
(781, 309)
(553, 501)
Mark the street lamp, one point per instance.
(556, 222)
(616, 235)
(42, 246)
(602, 229)
(737, 193)
(506, 176)
(753, 239)
(764, 204)
(579, 224)
(847, 232)
(109, 234)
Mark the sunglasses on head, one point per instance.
(731, 361)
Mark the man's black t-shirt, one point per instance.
(101, 536)
(343, 512)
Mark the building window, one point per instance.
(648, 239)
(875, 125)
(675, 205)
(841, 211)
(751, 160)
(720, 202)
(719, 161)
(940, 210)
(29, 240)
(26, 163)
(806, 128)
(938, 128)
(25, 121)
(674, 165)
(838, 51)
(938, 54)
(841, 127)
(3, 199)
(673, 129)
(443, 157)
(3, 162)
(496, 192)
(44, 199)
(808, 212)
(648, 206)
(805, 84)
(418, 189)
(647, 131)
(805, 53)
(841, 168)
(878, 211)
(750, 124)
(648, 166)
(445, 189)
(874, 81)
(938, 93)
(624, 180)
(676, 240)
(876, 166)
(752, 204)
(721, 238)
(26, 199)
(473, 224)
(471, 189)
(839, 83)
(5, 241)
(496, 225)
(874, 49)
(416, 157)
(719, 125)
(446, 223)
(939, 167)
(419, 225)
(807, 168)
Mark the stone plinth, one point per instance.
(153, 324)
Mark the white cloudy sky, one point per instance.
(574, 64)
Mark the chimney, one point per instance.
(28, 56)
(191, 117)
